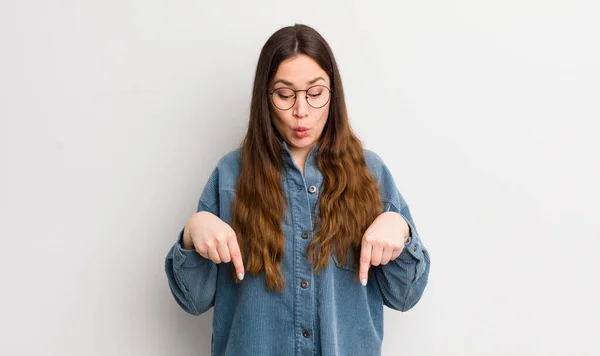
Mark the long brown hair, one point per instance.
(349, 200)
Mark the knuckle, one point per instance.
(235, 254)
(222, 245)
(364, 259)
(204, 248)
(373, 239)
(202, 253)
(233, 244)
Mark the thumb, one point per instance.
(236, 257)
(365, 261)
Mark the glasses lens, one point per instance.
(318, 96)
(283, 98)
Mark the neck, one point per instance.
(300, 155)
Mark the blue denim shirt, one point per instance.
(317, 314)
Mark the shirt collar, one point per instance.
(287, 154)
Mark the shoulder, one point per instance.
(230, 160)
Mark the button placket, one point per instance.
(304, 296)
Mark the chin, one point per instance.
(300, 143)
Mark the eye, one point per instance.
(282, 96)
(315, 92)
(284, 93)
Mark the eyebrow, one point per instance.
(290, 83)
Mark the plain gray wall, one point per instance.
(113, 113)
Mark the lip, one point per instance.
(301, 132)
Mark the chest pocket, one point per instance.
(350, 265)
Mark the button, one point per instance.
(305, 235)
(312, 189)
(306, 334)
(304, 284)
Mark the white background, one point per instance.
(113, 114)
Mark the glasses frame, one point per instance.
(296, 96)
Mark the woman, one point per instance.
(284, 222)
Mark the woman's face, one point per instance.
(301, 125)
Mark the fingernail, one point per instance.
(364, 281)
(240, 276)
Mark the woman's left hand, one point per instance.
(382, 242)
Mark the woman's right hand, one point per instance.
(214, 239)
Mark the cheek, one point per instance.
(323, 117)
(323, 121)
(279, 122)
(283, 118)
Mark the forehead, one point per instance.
(300, 70)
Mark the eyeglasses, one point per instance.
(317, 96)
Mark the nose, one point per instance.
(301, 105)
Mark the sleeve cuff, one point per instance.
(412, 248)
(183, 258)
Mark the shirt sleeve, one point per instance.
(403, 280)
(193, 278)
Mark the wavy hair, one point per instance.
(349, 200)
